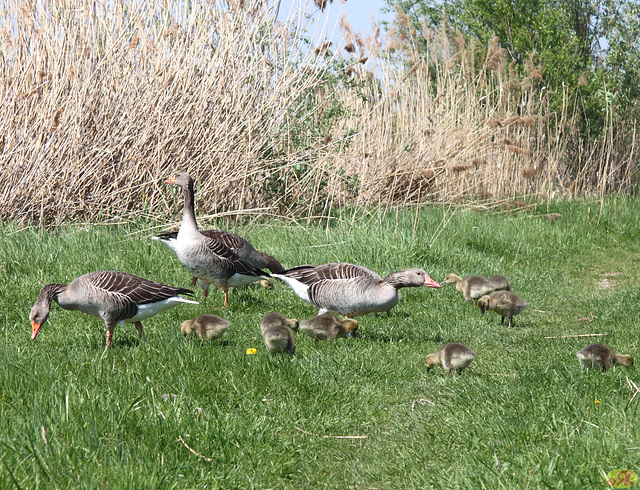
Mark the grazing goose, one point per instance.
(115, 297)
(277, 332)
(451, 356)
(351, 290)
(471, 287)
(598, 355)
(504, 303)
(205, 326)
(211, 261)
(237, 244)
(329, 327)
(500, 283)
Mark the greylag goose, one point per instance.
(237, 244)
(329, 327)
(115, 297)
(351, 290)
(451, 356)
(504, 303)
(598, 355)
(277, 332)
(211, 261)
(500, 283)
(471, 287)
(205, 326)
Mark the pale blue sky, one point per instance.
(358, 12)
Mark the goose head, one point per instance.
(411, 278)
(181, 179)
(40, 310)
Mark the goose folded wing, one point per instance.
(231, 258)
(232, 241)
(343, 270)
(133, 289)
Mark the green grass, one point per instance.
(522, 416)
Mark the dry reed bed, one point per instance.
(100, 101)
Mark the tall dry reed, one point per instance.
(103, 100)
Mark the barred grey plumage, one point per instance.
(115, 297)
(211, 261)
(349, 289)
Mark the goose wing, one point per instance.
(230, 260)
(311, 274)
(131, 289)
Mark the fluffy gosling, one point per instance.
(451, 356)
(329, 327)
(277, 332)
(501, 283)
(598, 355)
(471, 287)
(205, 326)
(504, 303)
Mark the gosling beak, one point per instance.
(430, 283)
(34, 329)
(443, 283)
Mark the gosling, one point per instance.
(598, 355)
(451, 356)
(277, 332)
(471, 287)
(504, 303)
(501, 283)
(329, 327)
(205, 326)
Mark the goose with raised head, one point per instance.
(211, 261)
(451, 356)
(115, 297)
(277, 332)
(601, 356)
(351, 290)
(329, 327)
(471, 287)
(206, 326)
(504, 303)
(500, 283)
(237, 244)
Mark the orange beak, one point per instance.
(170, 181)
(34, 329)
(430, 283)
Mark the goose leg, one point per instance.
(511, 322)
(226, 295)
(109, 336)
(502, 321)
(448, 372)
(193, 281)
(143, 338)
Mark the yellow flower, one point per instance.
(597, 402)
(251, 350)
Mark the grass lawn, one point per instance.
(523, 415)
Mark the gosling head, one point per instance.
(451, 279)
(432, 360)
(624, 360)
(351, 326)
(483, 304)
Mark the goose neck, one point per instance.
(188, 212)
